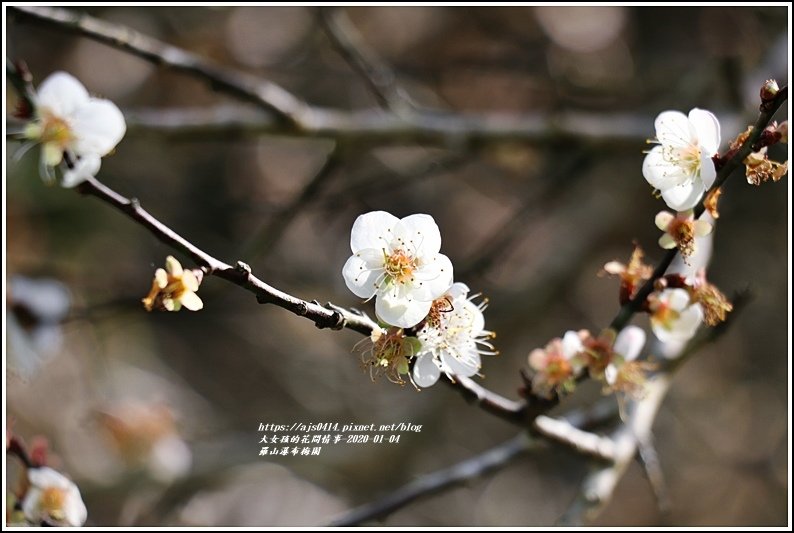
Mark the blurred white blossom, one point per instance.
(622, 373)
(53, 499)
(555, 366)
(674, 318)
(69, 121)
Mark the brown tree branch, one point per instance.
(435, 482)
(323, 316)
(376, 74)
(378, 127)
(290, 110)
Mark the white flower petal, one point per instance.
(660, 173)
(571, 344)
(84, 168)
(458, 290)
(433, 278)
(98, 127)
(169, 459)
(478, 319)
(683, 197)
(191, 301)
(708, 172)
(673, 128)
(683, 329)
(663, 219)
(677, 299)
(667, 242)
(401, 312)
(61, 94)
(707, 129)
(419, 233)
(173, 266)
(702, 228)
(360, 279)
(630, 342)
(464, 364)
(372, 230)
(425, 372)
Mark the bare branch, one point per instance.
(377, 127)
(649, 459)
(435, 482)
(263, 93)
(262, 241)
(597, 489)
(323, 317)
(564, 432)
(378, 75)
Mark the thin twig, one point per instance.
(493, 248)
(265, 94)
(469, 469)
(597, 489)
(261, 243)
(585, 442)
(377, 75)
(323, 317)
(649, 459)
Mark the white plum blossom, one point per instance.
(555, 366)
(452, 338)
(53, 499)
(397, 261)
(628, 345)
(70, 121)
(680, 231)
(681, 167)
(674, 318)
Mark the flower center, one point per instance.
(683, 233)
(400, 266)
(665, 315)
(55, 130)
(558, 369)
(687, 157)
(52, 502)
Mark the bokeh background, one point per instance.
(527, 222)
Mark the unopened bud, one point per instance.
(769, 90)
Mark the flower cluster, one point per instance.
(609, 358)
(431, 324)
(75, 130)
